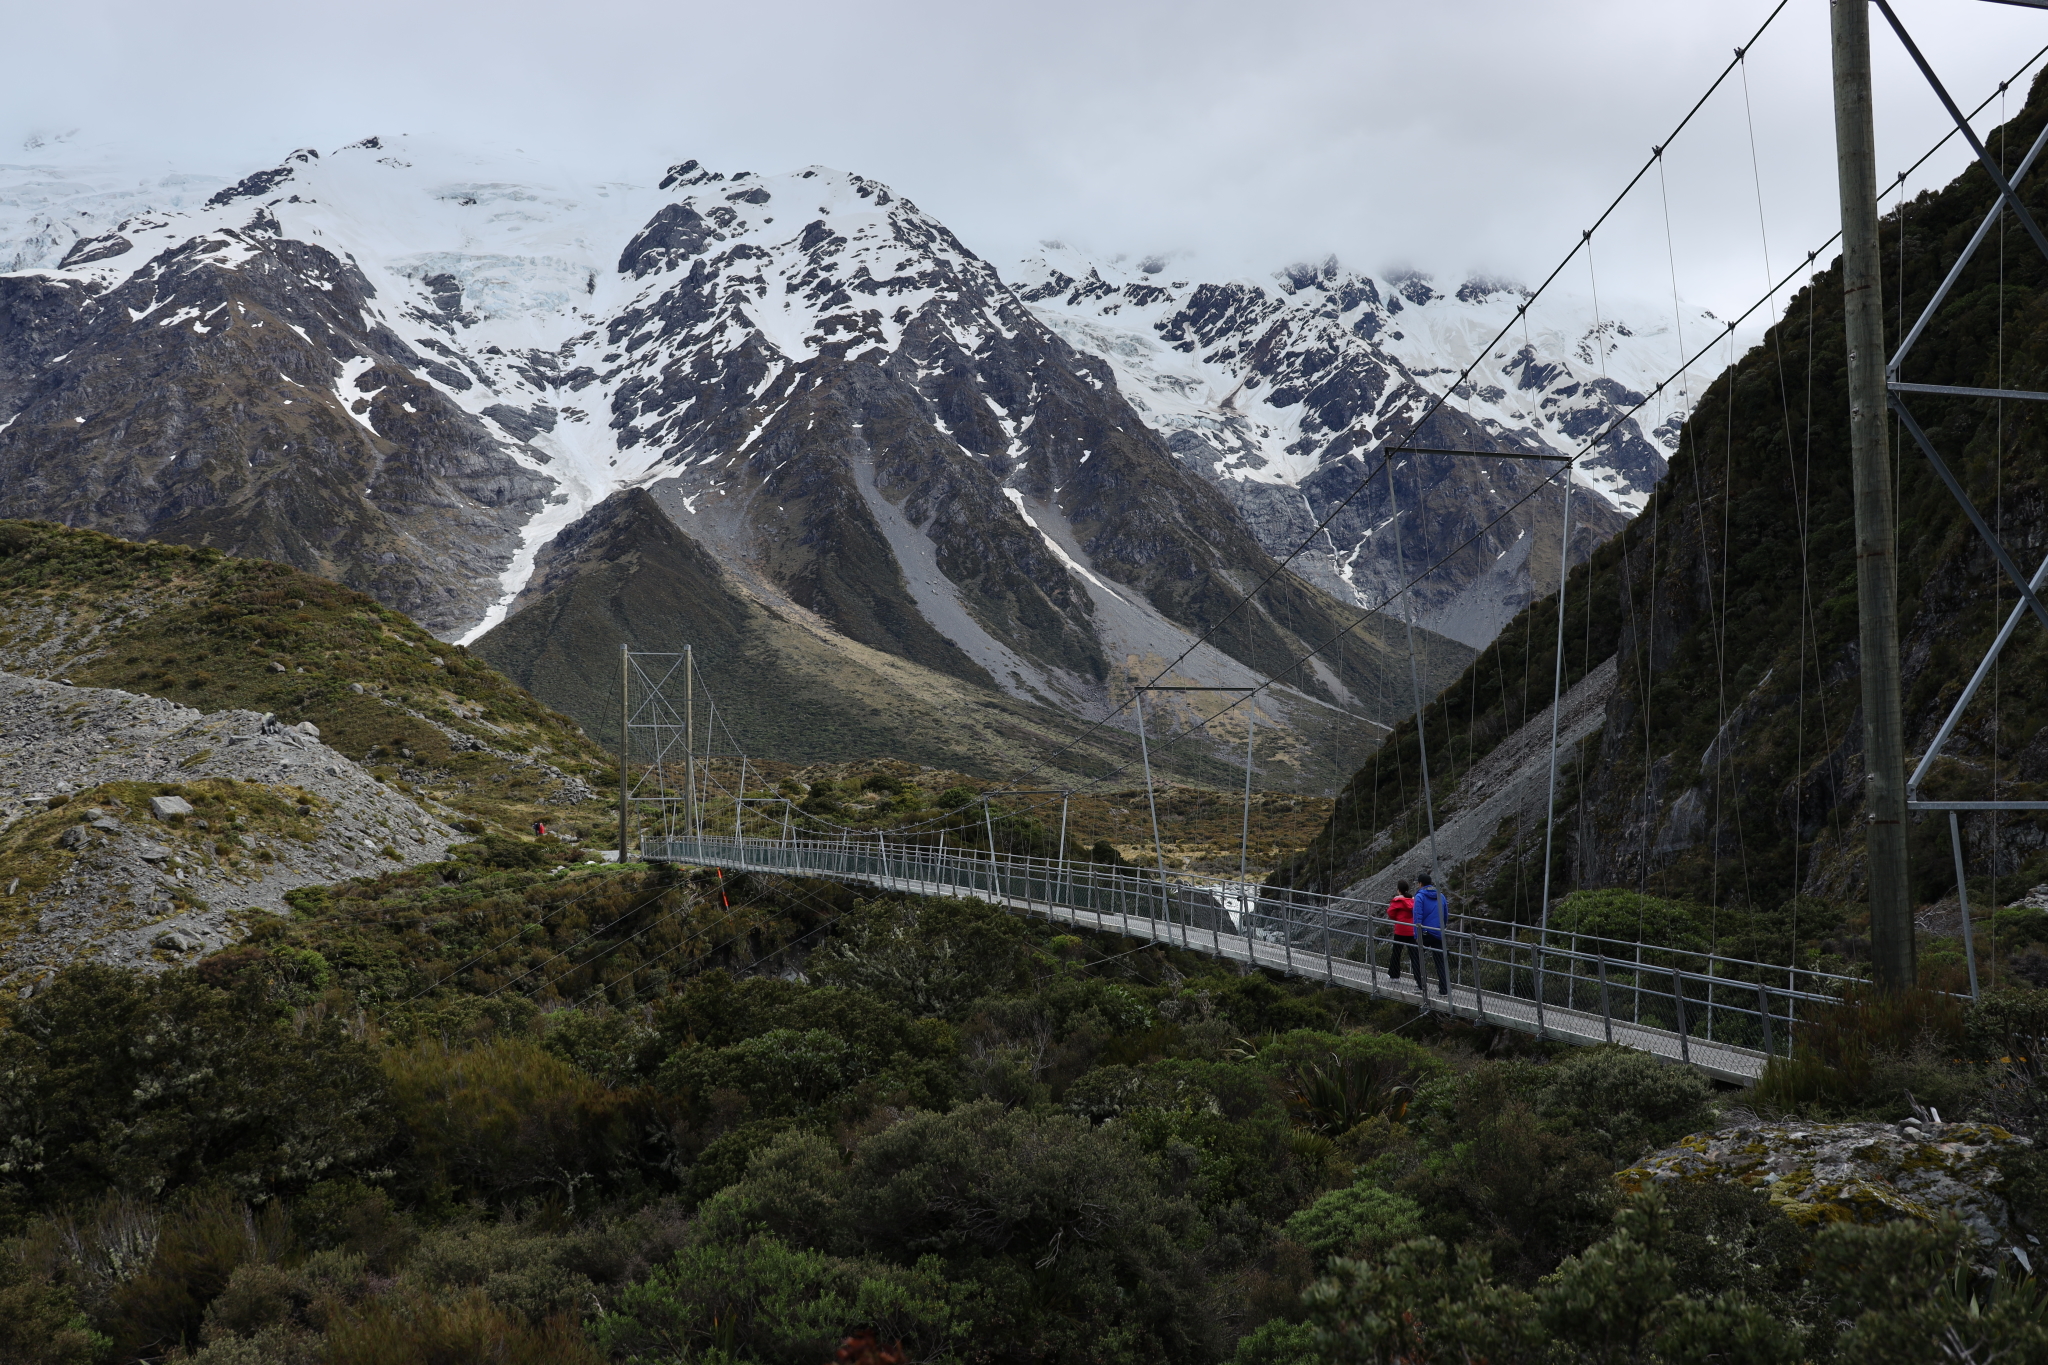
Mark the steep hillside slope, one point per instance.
(224, 383)
(137, 831)
(216, 633)
(783, 683)
(1729, 764)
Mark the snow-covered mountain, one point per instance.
(1282, 391)
(868, 481)
(792, 419)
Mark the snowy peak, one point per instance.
(1282, 390)
(1319, 359)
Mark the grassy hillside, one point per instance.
(214, 632)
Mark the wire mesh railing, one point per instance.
(1690, 1003)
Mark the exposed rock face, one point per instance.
(1283, 393)
(119, 882)
(1854, 1172)
(1510, 787)
(238, 387)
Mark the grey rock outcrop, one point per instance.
(148, 874)
(1854, 1172)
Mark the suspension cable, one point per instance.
(1607, 432)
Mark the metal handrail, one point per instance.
(1670, 1000)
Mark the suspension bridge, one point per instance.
(1725, 1014)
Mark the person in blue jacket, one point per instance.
(1429, 927)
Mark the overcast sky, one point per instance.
(1460, 136)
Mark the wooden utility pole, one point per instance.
(1884, 765)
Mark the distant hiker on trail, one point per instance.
(540, 829)
(1401, 911)
(1429, 923)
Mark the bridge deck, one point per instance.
(1109, 903)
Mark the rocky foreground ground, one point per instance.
(99, 861)
(1855, 1172)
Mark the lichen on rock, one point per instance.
(1853, 1172)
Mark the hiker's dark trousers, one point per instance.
(1414, 956)
(1435, 944)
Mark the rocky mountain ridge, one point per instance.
(1282, 391)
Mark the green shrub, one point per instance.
(40, 1323)
(1861, 1056)
(147, 1274)
(1625, 1102)
(147, 1084)
(933, 956)
(409, 1329)
(765, 1301)
(1278, 1342)
(783, 1071)
(1359, 1217)
(1045, 1230)
(1620, 1300)
(2018, 925)
(505, 1118)
(1499, 1178)
(1630, 917)
(503, 851)
(2007, 1032)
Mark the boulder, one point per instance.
(1853, 1172)
(164, 807)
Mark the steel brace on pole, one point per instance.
(2008, 202)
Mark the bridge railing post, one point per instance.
(1287, 927)
(1678, 1004)
(1606, 1014)
(1372, 951)
(1329, 912)
(1763, 1013)
(1475, 951)
(1711, 978)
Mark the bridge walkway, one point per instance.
(1723, 1015)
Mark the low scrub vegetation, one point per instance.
(514, 1108)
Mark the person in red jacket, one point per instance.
(1401, 910)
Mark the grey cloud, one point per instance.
(1460, 137)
